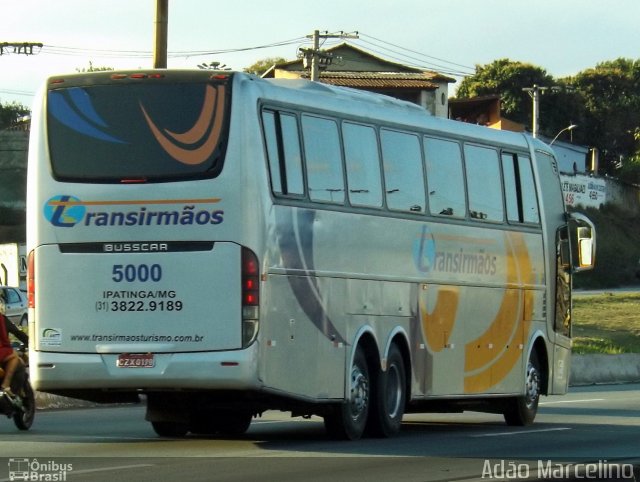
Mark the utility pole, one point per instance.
(535, 92)
(315, 56)
(24, 48)
(161, 34)
(318, 58)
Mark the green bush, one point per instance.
(617, 249)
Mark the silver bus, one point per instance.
(225, 245)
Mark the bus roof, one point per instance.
(383, 107)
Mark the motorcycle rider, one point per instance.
(9, 359)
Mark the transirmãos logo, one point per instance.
(468, 258)
(66, 211)
(424, 251)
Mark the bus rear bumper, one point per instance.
(225, 370)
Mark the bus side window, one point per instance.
(323, 159)
(530, 213)
(485, 196)
(445, 179)
(403, 174)
(283, 152)
(512, 188)
(363, 165)
(520, 191)
(273, 157)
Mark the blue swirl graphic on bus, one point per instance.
(424, 251)
(64, 211)
(75, 110)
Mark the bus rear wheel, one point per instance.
(348, 420)
(224, 422)
(389, 398)
(170, 429)
(522, 410)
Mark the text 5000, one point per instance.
(131, 273)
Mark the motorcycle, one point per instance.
(22, 408)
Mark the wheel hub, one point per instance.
(359, 393)
(533, 386)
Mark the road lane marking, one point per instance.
(525, 432)
(107, 469)
(300, 420)
(574, 401)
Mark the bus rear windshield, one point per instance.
(137, 132)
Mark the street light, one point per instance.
(570, 128)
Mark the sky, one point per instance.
(563, 37)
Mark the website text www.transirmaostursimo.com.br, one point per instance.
(139, 338)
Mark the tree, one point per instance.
(603, 101)
(611, 95)
(93, 68)
(630, 169)
(506, 78)
(261, 66)
(10, 113)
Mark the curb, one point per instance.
(585, 370)
(602, 369)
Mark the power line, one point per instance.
(466, 67)
(413, 61)
(376, 45)
(83, 52)
(17, 92)
(420, 65)
(112, 53)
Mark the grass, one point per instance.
(608, 323)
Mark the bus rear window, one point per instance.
(137, 132)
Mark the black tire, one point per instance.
(24, 417)
(24, 321)
(225, 422)
(234, 423)
(170, 429)
(348, 420)
(201, 424)
(389, 397)
(521, 411)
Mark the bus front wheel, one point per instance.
(522, 410)
(349, 419)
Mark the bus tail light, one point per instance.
(250, 296)
(31, 281)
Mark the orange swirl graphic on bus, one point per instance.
(438, 325)
(200, 141)
(490, 357)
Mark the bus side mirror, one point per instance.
(583, 238)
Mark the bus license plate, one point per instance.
(136, 360)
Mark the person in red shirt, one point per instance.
(9, 359)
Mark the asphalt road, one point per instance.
(597, 428)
